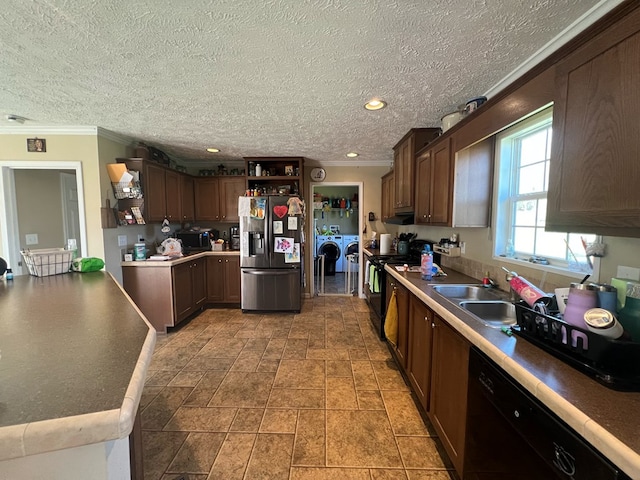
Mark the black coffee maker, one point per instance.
(234, 236)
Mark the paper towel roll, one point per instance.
(385, 244)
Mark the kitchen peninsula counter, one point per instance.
(605, 418)
(75, 351)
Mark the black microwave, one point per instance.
(192, 239)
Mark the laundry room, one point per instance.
(335, 217)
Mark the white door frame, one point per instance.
(311, 234)
(9, 211)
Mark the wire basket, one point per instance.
(127, 190)
(47, 261)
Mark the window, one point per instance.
(523, 155)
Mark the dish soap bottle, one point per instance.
(426, 263)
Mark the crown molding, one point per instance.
(115, 137)
(65, 130)
(582, 23)
(49, 130)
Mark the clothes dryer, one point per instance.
(351, 248)
(331, 247)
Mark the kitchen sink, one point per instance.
(466, 292)
(492, 313)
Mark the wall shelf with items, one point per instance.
(127, 188)
(275, 175)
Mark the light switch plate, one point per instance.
(31, 238)
(629, 273)
(122, 240)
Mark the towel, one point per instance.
(366, 272)
(374, 281)
(244, 206)
(391, 320)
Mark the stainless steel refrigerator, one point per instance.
(270, 252)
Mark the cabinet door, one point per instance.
(230, 189)
(182, 291)
(199, 282)
(232, 279)
(403, 174)
(215, 278)
(594, 174)
(419, 364)
(387, 196)
(440, 184)
(403, 295)
(155, 204)
(188, 206)
(173, 195)
(207, 201)
(423, 170)
(449, 378)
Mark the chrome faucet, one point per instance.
(513, 296)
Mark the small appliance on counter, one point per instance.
(234, 235)
(196, 238)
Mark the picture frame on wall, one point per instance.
(36, 145)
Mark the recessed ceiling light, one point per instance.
(375, 104)
(213, 150)
(352, 154)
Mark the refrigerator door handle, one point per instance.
(268, 272)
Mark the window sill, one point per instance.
(514, 263)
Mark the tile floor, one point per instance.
(282, 396)
(337, 284)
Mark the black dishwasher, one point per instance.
(511, 435)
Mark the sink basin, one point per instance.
(493, 314)
(466, 292)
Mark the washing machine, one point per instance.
(351, 246)
(331, 247)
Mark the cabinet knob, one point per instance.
(224, 216)
(424, 216)
(433, 325)
(226, 261)
(219, 261)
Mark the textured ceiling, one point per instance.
(260, 78)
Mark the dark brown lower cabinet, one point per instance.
(401, 348)
(419, 355)
(189, 287)
(448, 395)
(223, 279)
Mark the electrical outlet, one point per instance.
(31, 238)
(140, 238)
(463, 246)
(122, 240)
(628, 273)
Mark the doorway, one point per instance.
(335, 238)
(44, 199)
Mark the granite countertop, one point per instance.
(75, 351)
(605, 418)
(178, 260)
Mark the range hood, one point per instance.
(401, 219)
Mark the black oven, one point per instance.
(376, 279)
